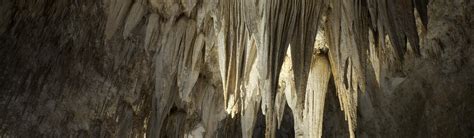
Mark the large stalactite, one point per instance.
(212, 68)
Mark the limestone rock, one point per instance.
(236, 68)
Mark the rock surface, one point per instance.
(236, 68)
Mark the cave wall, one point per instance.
(60, 77)
(430, 95)
(210, 68)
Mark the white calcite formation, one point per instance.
(233, 68)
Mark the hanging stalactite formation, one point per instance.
(220, 68)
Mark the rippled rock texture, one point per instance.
(236, 68)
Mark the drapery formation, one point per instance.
(252, 38)
(219, 58)
(271, 26)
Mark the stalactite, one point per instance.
(307, 23)
(117, 11)
(230, 58)
(249, 91)
(315, 95)
(252, 38)
(134, 17)
(287, 85)
(280, 16)
(190, 66)
(232, 53)
(152, 31)
(342, 55)
(296, 22)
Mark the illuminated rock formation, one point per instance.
(236, 68)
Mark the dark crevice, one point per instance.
(334, 124)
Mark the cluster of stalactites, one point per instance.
(252, 39)
(296, 22)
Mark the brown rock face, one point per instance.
(236, 68)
